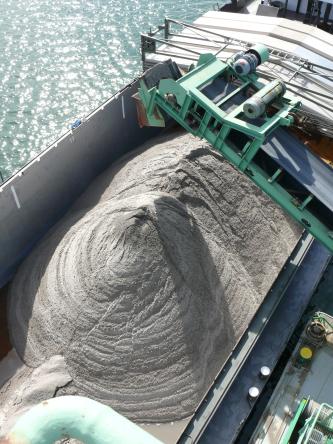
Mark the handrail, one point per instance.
(76, 417)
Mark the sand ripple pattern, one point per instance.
(148, 283)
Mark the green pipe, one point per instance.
(75, 417)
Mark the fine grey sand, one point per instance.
(146, 285)
(22, 387)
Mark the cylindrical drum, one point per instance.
(256, 105)
(246, 64)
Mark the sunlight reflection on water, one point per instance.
(60, 60)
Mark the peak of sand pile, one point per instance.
(148, 283)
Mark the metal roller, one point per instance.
(257, 104)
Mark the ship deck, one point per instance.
(51, 175)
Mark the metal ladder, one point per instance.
(284, 55)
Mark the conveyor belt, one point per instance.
(210, 105)
(289, 153)
(294, 157)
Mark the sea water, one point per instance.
(60, 59)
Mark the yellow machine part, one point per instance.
(306, 353)
(320, 145)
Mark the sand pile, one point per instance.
(147, 284)
(22, 387)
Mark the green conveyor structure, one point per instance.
(246, 120)
(316, 429)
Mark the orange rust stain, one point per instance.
(320, 145)
(8, 441)
(4, 336)
(13, 439)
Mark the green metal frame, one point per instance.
(183, 100)
(302, 405)
(325, 425)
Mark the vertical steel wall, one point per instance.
(40, 193)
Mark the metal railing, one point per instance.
(186, 46)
